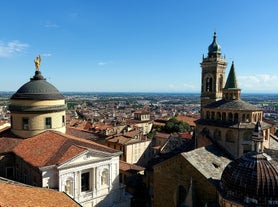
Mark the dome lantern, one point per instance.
(214, 48)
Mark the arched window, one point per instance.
(206, 132)
(224, 116)
(218, 116)
(217, 134)
(220, 83)
(229, 136)
(212, 115)
(230, 117)
(104, 177)
(236, 117)
(248, 118)
(243, 118)
(208, 84)
(208, 115)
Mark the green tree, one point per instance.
(174, 125)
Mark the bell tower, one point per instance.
(213, 74)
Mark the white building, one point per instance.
(39, 153)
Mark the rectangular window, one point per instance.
(25, 123)
(48, 123)
(11, 121)
(9, 172)
(63, 120)
(85, 181)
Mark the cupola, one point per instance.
(253, 178)
(37, 106)
(214, 48)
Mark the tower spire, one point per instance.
(231, 80)
(231, 90)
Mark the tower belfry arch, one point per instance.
(213, 74)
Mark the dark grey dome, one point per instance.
(252, 177)
(37, 89)
(214, 47)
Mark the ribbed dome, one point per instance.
(252, 178)
(37, 89)
(214, 47)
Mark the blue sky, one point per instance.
(136, 45)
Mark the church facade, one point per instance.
(225, 118)
(226, 169)
(36, 150)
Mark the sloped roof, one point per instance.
(124, 166)
(27, 196)
(162, 135)
(7, 144)
(210, 161)
(119, 139)
(52, 148)
(233, 105)
(187, 119)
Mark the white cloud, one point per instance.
(259, 82)
(50, 24)
(46, 55)
(102, 63)
(12, 48)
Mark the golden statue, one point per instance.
(37, 62)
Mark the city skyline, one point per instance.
(136, 46)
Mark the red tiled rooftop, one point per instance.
(7, 144)
(124, 166)
(23, 196)
(141, 112)
(162, 135)
(50, 148)
(187, 119)
(119, 139)
(186, 135)
(132, 133)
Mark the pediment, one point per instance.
(86, 157)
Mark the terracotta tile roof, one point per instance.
(124, 166)
(186, 135)
(119, 139)
(23, 196)
(51, 148)
(102, 126)
(187, 119)
(141, 112)
(82, 134)
(158, 123)
(132, 133)
(162, 135)
(7, 144)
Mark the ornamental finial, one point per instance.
(37, 62)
